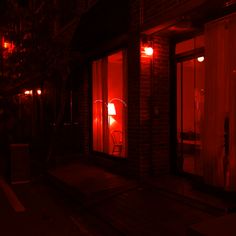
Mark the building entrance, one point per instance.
(190, 74)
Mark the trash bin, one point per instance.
(20, 163)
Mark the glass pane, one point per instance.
(199, 110)
(118, 107)
(109, 105)
(97, 106)
(188, 128)
(190, 103)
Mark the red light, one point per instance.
(148, 51)
(200, 59)
(39, 92)
(111, 109)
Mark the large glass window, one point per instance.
(110, 104)
(190, 104)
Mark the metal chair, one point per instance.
(117, 142)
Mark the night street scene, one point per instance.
(117, 117)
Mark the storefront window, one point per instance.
(110, 105)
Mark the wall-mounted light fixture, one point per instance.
(201, 59)
(146, 47)
(148, 51)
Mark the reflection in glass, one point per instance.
(109, 104)
(190, 102)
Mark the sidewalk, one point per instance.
(167, 205)
(88, 183)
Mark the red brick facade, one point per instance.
(160, 110)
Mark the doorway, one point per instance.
(190, 76)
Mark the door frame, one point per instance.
(174, 59)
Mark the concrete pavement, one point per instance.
(45, 212)
(130, 208)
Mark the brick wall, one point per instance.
(155, 89)
(154, 109)
(133, 106)
(148, 138)
(161, 106)
(133, 87)
(145, 112)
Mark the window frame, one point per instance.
(125, 98)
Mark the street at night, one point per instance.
(40, 209)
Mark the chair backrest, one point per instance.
(117, 137)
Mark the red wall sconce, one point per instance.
(200, 59)
(146, 47)
(39, 92)
(148, 51)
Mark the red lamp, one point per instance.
(111, 109)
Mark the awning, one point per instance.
(105, 20)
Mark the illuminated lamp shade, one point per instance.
(200, 59)
(111, 120)
(148, 51)
(111, 109)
